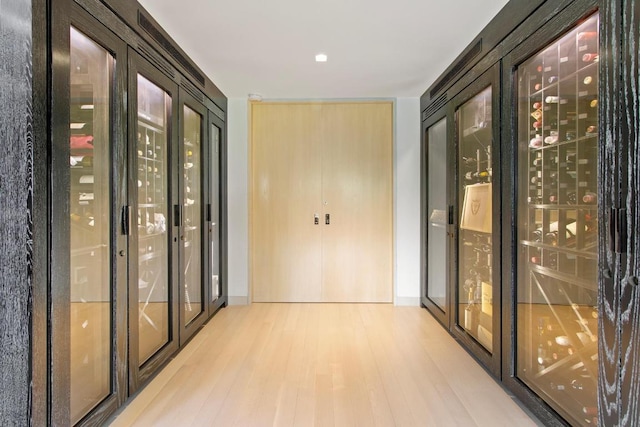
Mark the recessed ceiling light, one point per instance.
(321, 57)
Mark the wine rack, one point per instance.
(152, 222)
(192, 210)
(558, 223)
(475, 252)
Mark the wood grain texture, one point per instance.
(39, 336)
(357, 193)
(322, 159)
(609, 163)
(16, 201)
(629, 170)
(286, 182)
(323, 365)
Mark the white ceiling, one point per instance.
(376, 48)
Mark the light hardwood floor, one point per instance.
(322, 365)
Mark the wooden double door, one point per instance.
(321, 202)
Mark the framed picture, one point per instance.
(476, 209)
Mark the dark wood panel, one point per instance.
(16, 201)
(609, 296)
(629, 152)
(505, 32)
(127, 11)
(39, 331)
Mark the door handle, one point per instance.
(316, 219)
(327, 219)
(177, 215)
(126, 220)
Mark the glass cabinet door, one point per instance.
(193, 302)
(214, 220)
(556, 312)
(475, 281)
(437, 261)
(91, 305)
(151, 217)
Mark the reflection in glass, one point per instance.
(214, 237)
(475, 251)
(437, 211)
(152, 214)
(90, 226)
(557, 349)
(192, 226)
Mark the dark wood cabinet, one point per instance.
(567, 218)
(136, 215)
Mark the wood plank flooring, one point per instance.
(322, 365)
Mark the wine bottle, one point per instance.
(587, 80)
(551, 139)
(537, 124)
(537, 86)
(552, 99)
(536, 235)
(589, 197)
(587, 35)
(469, 161)
(551, 238)
(536, 142)
(552, 260)
(537, 105)
(534, 200)
(590, 57)
(552, 79)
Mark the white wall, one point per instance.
(238, 200)
(406, 201)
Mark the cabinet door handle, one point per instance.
(612, 230)
(327, 219)
(177, 215)
(621, 231)
(208, 211)
(126, 220)
(316, 219)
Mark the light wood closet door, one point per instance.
(286, 193)
(327, 159)
(357, 249)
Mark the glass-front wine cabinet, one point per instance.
(91, 72)
(475, 243)
(556, 312)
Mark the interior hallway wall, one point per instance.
(406, 201)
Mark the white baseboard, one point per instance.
(241, 300)
(407, 301)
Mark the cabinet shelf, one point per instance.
(563, 249)
(574, 361)
(548, 86)
(564, 277)
(148, 123)
(561, 143)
